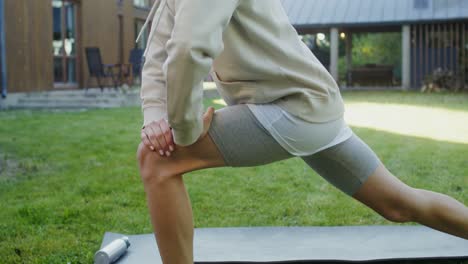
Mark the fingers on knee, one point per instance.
(152, 170)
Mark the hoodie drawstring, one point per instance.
(156, 10)
(151, 13)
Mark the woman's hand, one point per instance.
(157, 136)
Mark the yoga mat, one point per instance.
(302, 244)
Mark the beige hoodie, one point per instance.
(250, 49)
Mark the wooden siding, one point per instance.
(28, 26)
(99, 25)
(28, 31)
(100, 28)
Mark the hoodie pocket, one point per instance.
(242, 91)
(310, 90)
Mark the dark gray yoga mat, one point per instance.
(289, 244)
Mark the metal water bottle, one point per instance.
(112, 251)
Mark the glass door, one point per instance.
(64, 43)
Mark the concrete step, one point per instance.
(72, 102)
(70, 94)
(69, 100)
(64, 107)
(76, 100)
(81, 99)
(58, 104)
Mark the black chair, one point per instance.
(136, 56)
(99, 70)
(128, 71)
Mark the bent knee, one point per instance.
(399, 210)
(150, 165)
(143, 153)
(397, 215)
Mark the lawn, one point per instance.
(67, 177)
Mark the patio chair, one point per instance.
(135, 60)
(99, 70)
(128, 71)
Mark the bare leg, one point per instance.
(168, 201)
(171, 213)
(442, 212)
(171, 217)
(398, 202)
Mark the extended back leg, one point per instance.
(354, 168)
(398, 202)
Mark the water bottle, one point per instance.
(112, 251)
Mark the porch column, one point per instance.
(120, 17)
(349, 56)
(406, 57)
(3, 62)
(334, 53)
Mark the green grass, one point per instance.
(67, 177)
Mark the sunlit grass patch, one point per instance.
(219, 102)
(419, 121)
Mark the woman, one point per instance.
(282, 103)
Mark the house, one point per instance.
(434, 33)
(42, 42)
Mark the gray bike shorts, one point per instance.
(244, 142)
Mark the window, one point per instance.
(142, 3)
(64, 41)
(144, 36)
